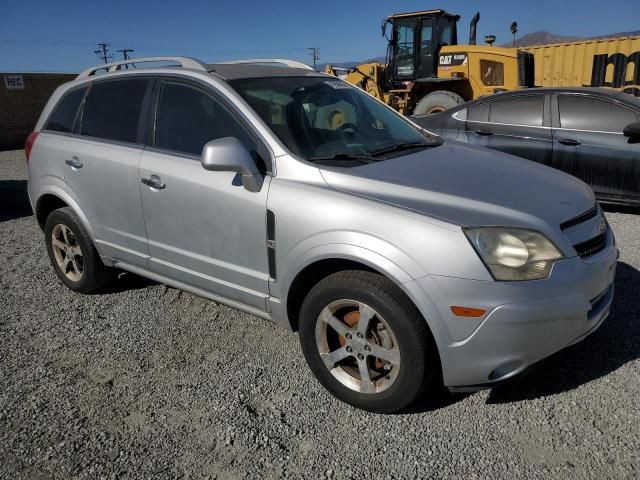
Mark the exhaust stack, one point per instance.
(472, 28)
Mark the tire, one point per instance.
(437, 102)
(73, 255)
(351, 296)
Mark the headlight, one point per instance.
(513, 254)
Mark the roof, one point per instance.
(436, 11)
(249, 68)
(231, 71)
(618, 95)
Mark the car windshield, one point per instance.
(327, 120)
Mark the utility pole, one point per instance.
(514, 30)
(103, 52)
(315, 55)
(125, 55)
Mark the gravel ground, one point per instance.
(146, 381)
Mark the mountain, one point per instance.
(544, 38)
(321, 66)
(540, 38)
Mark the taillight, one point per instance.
(31, 139)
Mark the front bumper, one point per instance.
(526, 321)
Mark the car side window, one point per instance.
(188, 117)
(594, 114)
(112, 109)
(478, 113)
(64, 115)
(524, 110)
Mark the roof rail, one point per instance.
(185, 62)
(283, 61)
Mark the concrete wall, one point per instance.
(21, 107)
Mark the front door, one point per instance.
(589, 144)
(205, 229)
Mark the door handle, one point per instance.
(569, 141)
(74, 162)
(154, 182)
(483, 133)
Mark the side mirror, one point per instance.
(228, 154)
(632, 131)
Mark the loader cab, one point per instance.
(414, 42)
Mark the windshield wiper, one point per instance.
(343, 156)
(398, 147)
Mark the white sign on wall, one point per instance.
(13, 82)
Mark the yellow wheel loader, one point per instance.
(426, 71)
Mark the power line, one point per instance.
(103, 52)
(142, 47)
(315, 55)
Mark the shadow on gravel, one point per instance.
(431, 402)
(609, 348)
(127, 281)
(14, 202)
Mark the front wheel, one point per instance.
(366, 342)
(437, 102)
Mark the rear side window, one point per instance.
(64, 114)
(112, 110)
(478, 113)
(187, 118)
(518, 111)
(589, 113)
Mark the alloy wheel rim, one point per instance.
(358, 346)
(434, 110)
(67, 252)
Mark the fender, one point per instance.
(373, 252)
(377, 262)
(354, 245)
(66, 198)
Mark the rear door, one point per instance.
(205, 229)
(50, 168)
(589, 144)
(513, 124)
(101, 166)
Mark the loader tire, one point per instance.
(437, 102)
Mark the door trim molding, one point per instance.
(194, 290)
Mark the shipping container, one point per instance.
(608, 62)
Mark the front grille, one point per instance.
(583, 217)
(592, 246)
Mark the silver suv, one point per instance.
(404, 261)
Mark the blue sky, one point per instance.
(62, 35)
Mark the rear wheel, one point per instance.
(72, 254)
(437, 102)
(366, 342)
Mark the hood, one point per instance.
(469, 186)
